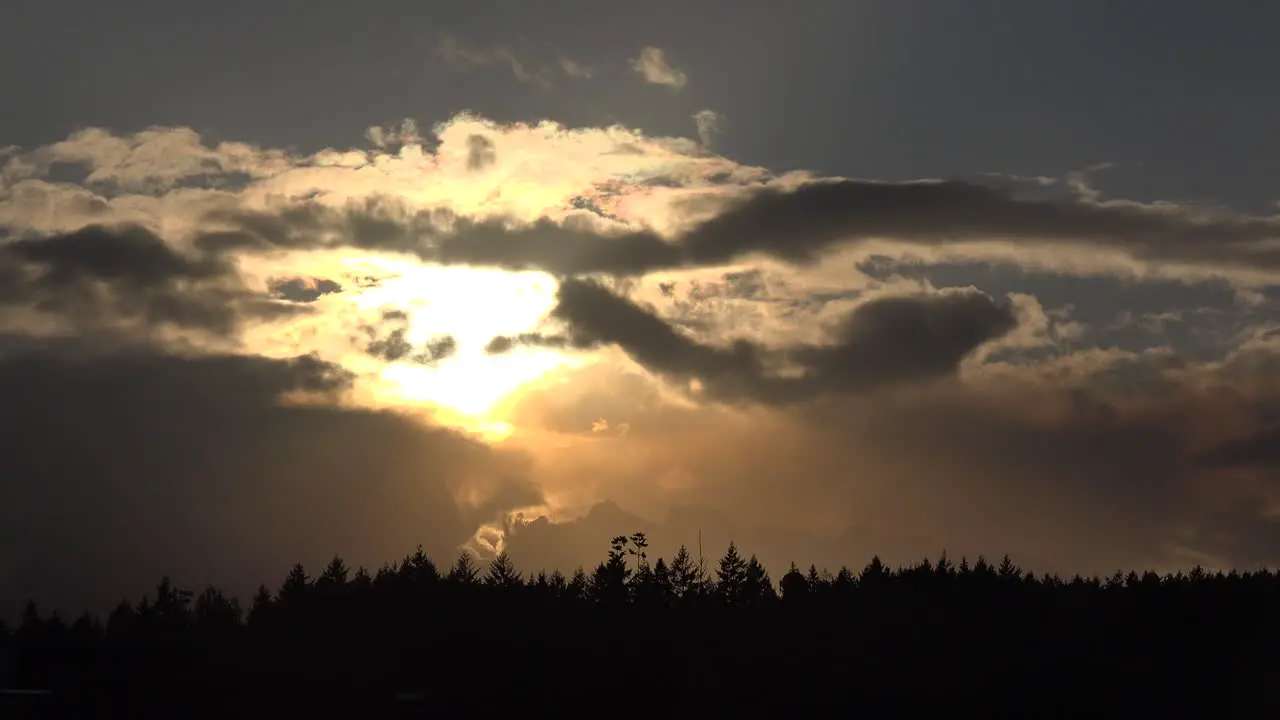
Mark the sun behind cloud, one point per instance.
(787, 350)
(471, 306)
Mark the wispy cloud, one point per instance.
(652, 65)
(710, 123)
(576, 69)
(462, 55)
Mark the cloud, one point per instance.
(576, 69)
(394, 346)
(798, 223)
(801, 225)
(99, 277)
(153, 160)
(302, 290)
(462, 55)
(480, 152)
(1085, 477)
(882, 342)
(652, 65)
(710, 123)
(583, 201)
(562, 318)
(128, 463)
(391, 348)
(404, 134)
(1260, 450)
(501, 344)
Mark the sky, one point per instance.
(289, 280)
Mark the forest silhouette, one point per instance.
(637, 636)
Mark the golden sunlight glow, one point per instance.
(473, 306)
(474, 383)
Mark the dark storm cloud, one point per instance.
(796, 226)
(1260, 450)
(1082, 478)
(898, 339)
(302, 290)
(882, 342)
(121, 465)
(128, 254)
(1111, 471)
(99, 275)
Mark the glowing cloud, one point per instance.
(653, 67)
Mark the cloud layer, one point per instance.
(539, 337)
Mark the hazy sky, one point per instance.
(280, 280)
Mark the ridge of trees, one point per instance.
(572, 639)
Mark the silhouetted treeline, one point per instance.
(673, 637)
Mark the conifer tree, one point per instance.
(579, 586)
(362, 580)
(794, 586)
(684, 574)
(419, 570)
(1007, 570)
(558, 582)
(502, 573)
(662, 581)
(874, 572)
(757, 586)
(731, 575)
(818, 581)
(295, 588)
(335, 573)
(464, 570)
(609, 581)
(260, 609)
(844, 580)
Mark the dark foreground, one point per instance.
(633, 639)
